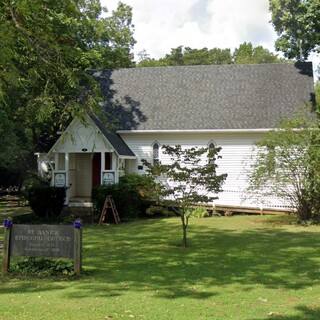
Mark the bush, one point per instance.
(128, 196)
(35, 179)
(46, 201)
(198, 212)
(159, 211)
(43, 267)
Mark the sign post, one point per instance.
(6, 255)
(77, 255)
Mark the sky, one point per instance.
(161, 25)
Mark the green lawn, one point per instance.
(9, 207)
(243, 267)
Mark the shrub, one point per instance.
(46, 201)
(35, 179)
(159, 211)
(128, 196)
(228, 213)
(198, 212)
(43, 267)
(286, 167)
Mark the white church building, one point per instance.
(228, 106)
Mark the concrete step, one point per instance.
(85, 213)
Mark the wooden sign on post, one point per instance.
(56, 241)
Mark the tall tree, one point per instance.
(247, 54)
(297, 23)
(207, 56)
(185, 56)
(47, 47)
(181, 56)
(175, 58)
(146, 61)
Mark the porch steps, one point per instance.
(79, 208)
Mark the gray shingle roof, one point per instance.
(115, 140)
(206, 97)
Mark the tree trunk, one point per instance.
(184, 231)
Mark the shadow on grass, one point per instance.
(305, 313)
(144, 256)
(28, 286)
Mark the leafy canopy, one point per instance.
(247, 54)
(297, 23)
(187, 178)
(287, 166)
(184, 56)
(47, 48)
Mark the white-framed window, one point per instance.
(211, 146)
(156, 152)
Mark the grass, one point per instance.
(243, 267)
(10, 207)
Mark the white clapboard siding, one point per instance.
(236, 159)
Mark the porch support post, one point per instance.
(66, 162)
(115, 166)
(56, 161)
(66, 168)
(6, 251)
(56, 165)
(103, 165)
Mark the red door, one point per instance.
(96, 169)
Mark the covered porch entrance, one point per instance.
(87, 154)
(80, 172)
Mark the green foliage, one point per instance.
(159, 211)
(36, 180)
(128, 196)
(186, 56)
(47, 48)
(188, 178)
(287, 166)
(247, 54)
(179, 181)
(317, 92)
(43, 267)
(11, 148)
(46, 201)
(297, 23)
(197, 212)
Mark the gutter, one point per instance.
(262, 130)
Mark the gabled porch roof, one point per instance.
(114, 139)
(91, 136)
